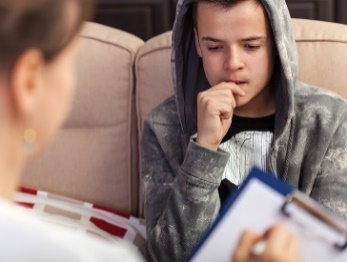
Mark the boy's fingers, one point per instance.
(235, 89)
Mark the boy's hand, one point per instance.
(215, 111)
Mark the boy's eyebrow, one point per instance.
(253, 38)
(248, 39)
(210, 38)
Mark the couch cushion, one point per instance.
(322, 48)
(153, 73)
(91, 159)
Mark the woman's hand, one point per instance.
(281, 246)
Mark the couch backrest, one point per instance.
(94, 158)
(153, 73)
(322, 48)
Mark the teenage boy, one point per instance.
(237, 103)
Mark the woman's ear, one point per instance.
(197, 43)
(26, 81)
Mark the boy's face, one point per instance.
(236, 45)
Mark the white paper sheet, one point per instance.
(257, 208)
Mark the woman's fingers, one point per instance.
(280, 246)
(244, 248)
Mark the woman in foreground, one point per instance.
(38, 45)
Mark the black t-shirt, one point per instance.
(241, 124)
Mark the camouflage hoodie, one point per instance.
(309, 147)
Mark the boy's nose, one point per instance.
(233, 61)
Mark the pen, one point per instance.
(258, 248)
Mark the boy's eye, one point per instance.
(251, 47)
(214, 48)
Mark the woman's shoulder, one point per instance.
(24, 232)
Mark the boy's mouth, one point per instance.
(235, 81)
(238, 82)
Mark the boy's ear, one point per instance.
(26, 80)
(197, 43)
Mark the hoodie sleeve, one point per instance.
(180, 205)
(330, 187)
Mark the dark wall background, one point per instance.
(148, 18)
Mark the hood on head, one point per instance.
(189, 76)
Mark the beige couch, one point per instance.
(96, 156)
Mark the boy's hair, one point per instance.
(40, 24)
(221, 3)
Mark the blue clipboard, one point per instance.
(284, 204)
